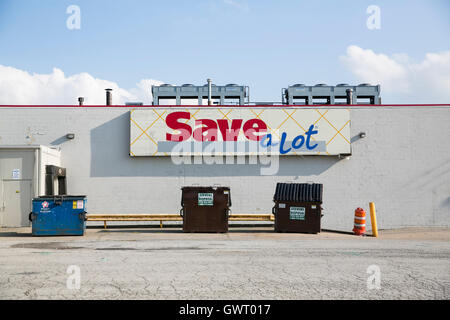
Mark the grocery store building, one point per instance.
(124, 158)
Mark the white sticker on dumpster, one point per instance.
(78, 204)
(205, 199)
(45, 207)
(297, 213)
(16, 174)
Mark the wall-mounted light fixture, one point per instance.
(362, 135)
(70, 136)
(344, 156)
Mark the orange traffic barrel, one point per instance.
(360, 222)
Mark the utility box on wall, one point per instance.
(22, 177)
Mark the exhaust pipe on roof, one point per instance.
(209, 91)
(108, 97)
(349, 96)
(80, 101)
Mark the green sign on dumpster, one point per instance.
(297, 213)
(205, 199)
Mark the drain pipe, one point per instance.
(349, 96)
(209, 91)
(108, 97)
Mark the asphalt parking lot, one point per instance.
(246, 263)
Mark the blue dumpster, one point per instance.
(58, 216)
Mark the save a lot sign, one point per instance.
(239, 131)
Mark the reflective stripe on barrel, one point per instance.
(359, 221)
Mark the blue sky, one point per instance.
(264, 44)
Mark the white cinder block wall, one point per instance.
(403, 165)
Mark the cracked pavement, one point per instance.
(246, 263)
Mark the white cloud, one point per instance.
(20, 87)
(402, 80)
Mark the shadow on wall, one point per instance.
(446, 203)
(110, 158)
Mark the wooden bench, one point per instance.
(170, 217)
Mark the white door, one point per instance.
(15, 204)
(16, 176)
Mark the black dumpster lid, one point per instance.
(65, 197)
(298, 192)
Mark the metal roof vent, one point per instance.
(108, 97)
